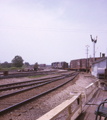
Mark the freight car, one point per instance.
(82, 64)
(59, 65)
(54, 65)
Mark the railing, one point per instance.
(90, 90)
(73, 106)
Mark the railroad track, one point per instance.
(24, 74)
(16, 85)
(16, 100)
(32, 83)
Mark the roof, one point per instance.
(100, 60)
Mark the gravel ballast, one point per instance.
(37, 108)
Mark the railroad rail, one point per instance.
(25, 83)
(41, 82)
(24, 74)
(56, 83)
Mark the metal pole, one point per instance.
(106, 63)
(87, 58)
(94, 41)
(94, 51)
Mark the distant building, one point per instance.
(99, 66)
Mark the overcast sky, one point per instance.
(47, 31)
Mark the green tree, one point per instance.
(0, 67)
(17, 61)
(36, 66)
(6, 65)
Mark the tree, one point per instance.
(17, 61)
(36, 66)
(6, 65)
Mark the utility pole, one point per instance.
(106, 60)
(94, 41)
(87, 46)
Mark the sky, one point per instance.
(47, 31)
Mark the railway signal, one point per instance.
(94, 41)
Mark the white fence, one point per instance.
(90, 90)
(73, 106)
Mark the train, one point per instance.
(82, 64)
(59, 65)
(78, 64)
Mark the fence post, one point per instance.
(85, 95)
(69, 112)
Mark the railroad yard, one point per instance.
(16, 93)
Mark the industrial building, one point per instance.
(99, 67)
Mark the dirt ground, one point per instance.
(36, 109)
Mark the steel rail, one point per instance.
(13, 93)
(29, 81)
(28, 84)
(24, 74)
(19, 86)
(32, 98)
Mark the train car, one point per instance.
(64, 65)
(54, 65)
(82, 64)
(78, 64)
(75, 64)
(72, 64)
(59, 65)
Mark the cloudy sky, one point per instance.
(47, 31)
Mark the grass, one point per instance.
(36, 76)
(11, 68)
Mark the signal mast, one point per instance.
(94, 41)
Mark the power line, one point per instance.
(50, 29)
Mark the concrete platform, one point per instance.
(89, 109)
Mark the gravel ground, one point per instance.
(37, 108)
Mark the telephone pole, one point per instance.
(87, 46)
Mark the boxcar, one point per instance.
(81, 64)
(75, 64)
(64, 65)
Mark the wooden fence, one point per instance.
(66, 105)
(90, 90)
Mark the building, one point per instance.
(99, 67)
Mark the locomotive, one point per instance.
(59, 65)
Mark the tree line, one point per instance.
(17, 61)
